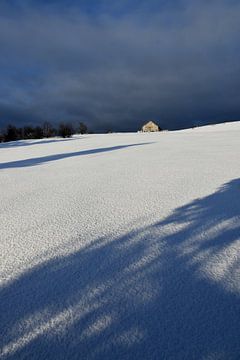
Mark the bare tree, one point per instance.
(48, 130)
(65, 130)
(82, 128)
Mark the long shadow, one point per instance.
(45, 159)
(20, 143)
(167, 291)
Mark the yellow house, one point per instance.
(150, 127)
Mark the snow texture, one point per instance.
(121, 246)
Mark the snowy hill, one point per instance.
(121, 246)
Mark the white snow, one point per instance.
(121, 246)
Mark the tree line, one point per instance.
(64, 129)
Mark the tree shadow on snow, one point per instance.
(166, 291)
(31, 142)
(46, 159)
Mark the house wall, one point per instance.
(150, 128)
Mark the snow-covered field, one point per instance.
(121, 246)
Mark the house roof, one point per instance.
(150, 123)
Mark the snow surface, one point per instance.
(121, 246)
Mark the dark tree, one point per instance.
(65, 130)
(38, 132)
(82, 128)
(1, 137)
(28, 132)
(48, 130)
(11, 134)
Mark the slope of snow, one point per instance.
(121, 246)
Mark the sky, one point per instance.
(116, 64)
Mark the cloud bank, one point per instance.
(177, 64)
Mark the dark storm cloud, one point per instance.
(179, 66)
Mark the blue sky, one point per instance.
(117, 64)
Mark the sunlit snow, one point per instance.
(121, 246)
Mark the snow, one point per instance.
(121, 246)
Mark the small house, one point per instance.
(150, 127)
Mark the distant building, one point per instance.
(150, 127)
